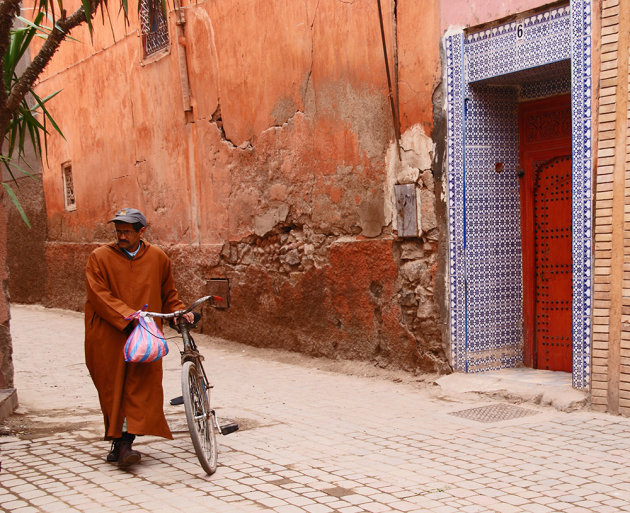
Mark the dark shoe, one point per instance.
(114, 452)
(177, 400)
(127, 456)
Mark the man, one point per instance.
(122, 277)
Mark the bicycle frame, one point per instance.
(190, 351)
(200, 416)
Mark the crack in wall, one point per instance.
(307, 82)
(217, 121)
(217, 118)
(284, 123)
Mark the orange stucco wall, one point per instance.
(277, 179)
(277, 173)
(315, 67)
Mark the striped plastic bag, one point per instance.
(146, 342)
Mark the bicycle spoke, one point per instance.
(199, 416)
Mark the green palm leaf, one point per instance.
(16, 202)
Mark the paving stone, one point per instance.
(318, 508)
(350, 509)
(292, 458)
(288, 508)
(300, 501)
(26, 509)
(375, 507)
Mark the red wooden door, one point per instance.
(554, 287)
(545, 156)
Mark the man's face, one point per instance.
(127, 237)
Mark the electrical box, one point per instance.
(406, 210)
(219, 287)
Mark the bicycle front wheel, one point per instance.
(199, 417)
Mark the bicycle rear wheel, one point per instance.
(200, 420)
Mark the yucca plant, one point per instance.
(24, 117)
(29, 123)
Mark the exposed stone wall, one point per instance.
(417, 279)
(420, 278)
(441, 287)
(324, 295)
(333, 294)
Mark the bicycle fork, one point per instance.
(224, 429)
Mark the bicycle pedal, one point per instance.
(226, 429)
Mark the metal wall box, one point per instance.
(406, 210)
(219, 287)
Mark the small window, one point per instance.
(154, 27)
(68, 186)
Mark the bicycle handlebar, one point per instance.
(179, 313)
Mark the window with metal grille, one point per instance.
(154, 27)
(68, 186)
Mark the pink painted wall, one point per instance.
(469, 13)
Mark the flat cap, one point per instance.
(129, 215)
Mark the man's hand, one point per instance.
(190, 317)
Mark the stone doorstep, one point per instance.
(542, 387)
(8, 402)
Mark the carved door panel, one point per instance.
(554, 270)
(545, 157)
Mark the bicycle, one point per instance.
(201, 418)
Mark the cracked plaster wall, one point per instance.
(281, 179)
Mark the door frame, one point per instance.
(569, 37)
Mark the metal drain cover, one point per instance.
(494, 413)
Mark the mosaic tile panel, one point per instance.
(554, 87)
(505, 49)
(493, 249)
(454, 47)
(483, 207)
(581, 94)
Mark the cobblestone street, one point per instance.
(315, 437)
